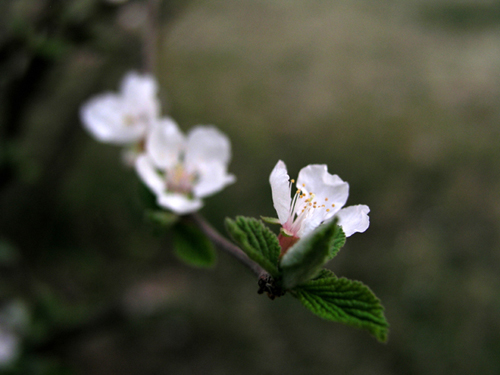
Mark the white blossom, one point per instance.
(14, 321)
(124, 117)
(182, 170)
(9, 347)
(319, 197)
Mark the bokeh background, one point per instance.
(399, 98)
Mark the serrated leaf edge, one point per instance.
(248, 243)
(375, 321)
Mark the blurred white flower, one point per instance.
(9, 347)
(14, 319)
(123, 118)
(181, 170)
(319, 197)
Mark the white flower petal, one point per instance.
(105, 117)
(315, 179)
(309, 224)
(354, 219)
(148, 174)
(327, 189)
(206, 144)
(165, 143)
(9, 347)
(138, 85)
(179, 203)
(212, 177)
(325, 194)
(280, 188)
(139, 91)
(129, 156)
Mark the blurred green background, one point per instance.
(400, 98)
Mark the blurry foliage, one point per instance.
(463, 15)
(406, 112)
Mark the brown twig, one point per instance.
(224, 244)
(267, 284)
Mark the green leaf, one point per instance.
(344, 301)
(338, 242)
(304, 259)
(270, 220)
(163, 219)
(192, 246)
(257, 241)
(323, 273)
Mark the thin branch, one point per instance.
(267, 284)
(223, 244)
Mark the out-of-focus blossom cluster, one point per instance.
(180, 170)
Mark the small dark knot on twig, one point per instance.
(268, 285)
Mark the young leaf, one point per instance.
(192, 247)
(270, 220)
(304, 259)
(161, 218)
(257, 241)
(338, 242)
(344, 301)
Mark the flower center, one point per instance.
(129, 120)
(304, 205)
(178, 180)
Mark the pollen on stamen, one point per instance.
(333, 205)
(292, 181)
(303, 185)
(326, 199)
(327, 210)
